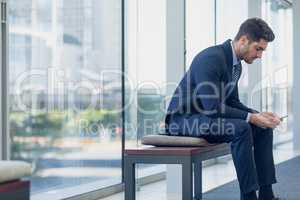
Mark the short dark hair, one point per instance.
(255, 29)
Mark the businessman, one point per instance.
(206, 104)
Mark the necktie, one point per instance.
(236, 72)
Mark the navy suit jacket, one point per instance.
(207, 89)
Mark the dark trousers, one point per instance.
(251, 147)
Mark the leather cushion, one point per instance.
(12, 170)
(174, 141)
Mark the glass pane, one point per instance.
(65, 91)
(146, 70)
(277, 66)
(230, 15)
(200, 27)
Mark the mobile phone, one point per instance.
(281, 118)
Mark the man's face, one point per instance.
(252, 50)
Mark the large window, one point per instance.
(200, 27)
(145, 69)
(65, 79)
(277, 65)
(230, 14)
(65, 91)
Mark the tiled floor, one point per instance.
(213, 176)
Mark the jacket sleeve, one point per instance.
(207, 78)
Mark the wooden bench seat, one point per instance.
(189, 157)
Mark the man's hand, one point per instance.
(265, 119)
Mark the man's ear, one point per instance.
(244, 40)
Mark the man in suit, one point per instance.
(206, 104)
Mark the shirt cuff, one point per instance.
(248, 117)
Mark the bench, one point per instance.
(12, 184)
(190, 153)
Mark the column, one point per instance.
(4, 148)
(175, 70)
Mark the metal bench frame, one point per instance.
(189, 157)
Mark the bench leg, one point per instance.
(187, 180)
(198, 180)
(129, 179)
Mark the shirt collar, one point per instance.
(235, 60)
